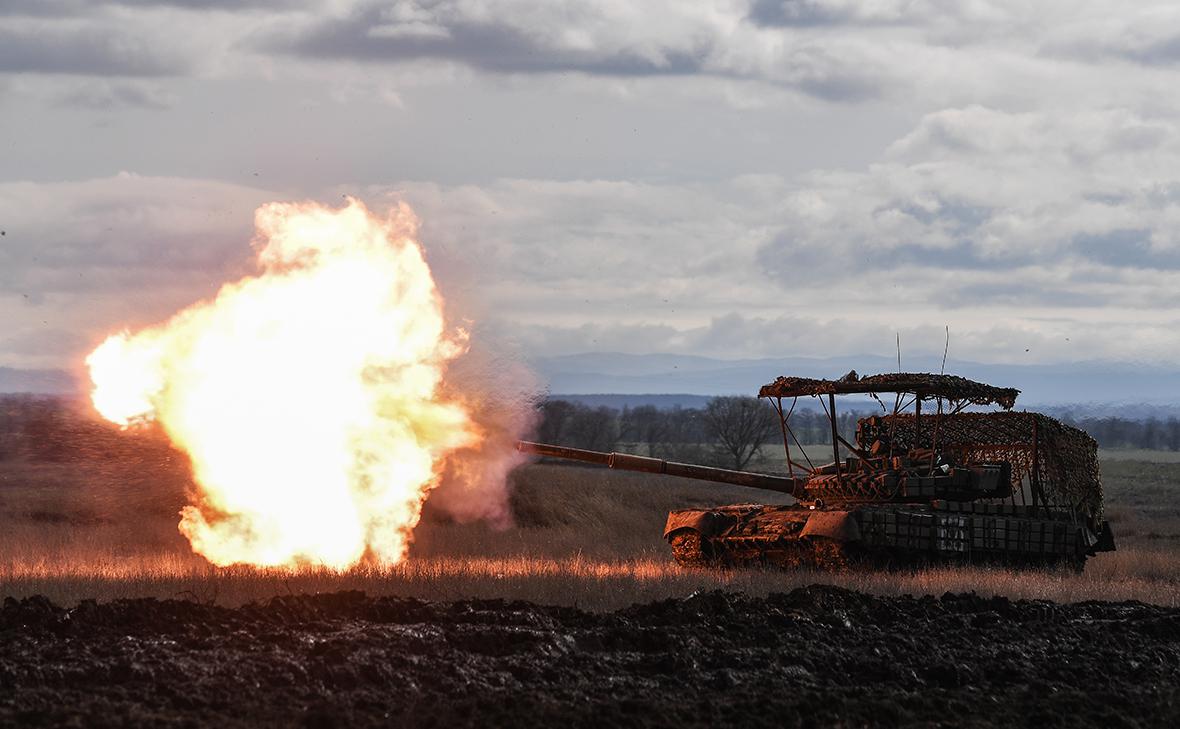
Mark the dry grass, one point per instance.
(584, 537)
(1138, 454)
(575, 580)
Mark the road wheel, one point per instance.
(688, 548)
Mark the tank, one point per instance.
(967, 481)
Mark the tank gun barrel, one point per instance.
(644, 464)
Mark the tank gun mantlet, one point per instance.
(925, 386)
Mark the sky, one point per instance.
(729, 178)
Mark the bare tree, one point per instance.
(593, 428)
(644, 424)
(685, 438)
(740, 424)
(556, 416)
(574, 424)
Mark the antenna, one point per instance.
(899, 353)
(945, 348)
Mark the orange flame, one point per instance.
(307, 396)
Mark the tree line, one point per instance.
(1115, 432)
(729, 431)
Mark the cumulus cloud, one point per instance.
(1015, 251)
(613, 249)
(43, 8)
(515, 35)
(980, 188)
(834, 50)
(108, 95)
(830, 50)
(805, 13)
(757, 265)
(726, 177)
(230, 5)
(129, 38)
(1140, 33)
(75, 8)
(612, 39)
(1007, 339)
(80, 259)
(85, 48)
(119, 232)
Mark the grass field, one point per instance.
(105, 529)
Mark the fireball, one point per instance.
(307, 396)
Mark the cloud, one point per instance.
(610, 39)
(736, 335)
(121, 233)
(81, 259)
(979, 189)
(1011, 169)
(939, 232)
(829, 50)
(1130, 247)
(1145, 34)
(43, 8)
(759, 265)
(613, 248)
(129, 38)
(507, 36)
(79, 8)
(810, 13)
(229, 5)
(105, 96)
(927, 53)
(86, 49)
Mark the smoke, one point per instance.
(500, 394)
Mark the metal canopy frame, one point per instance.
(919, 385)
(909, 388)
(1068, 480)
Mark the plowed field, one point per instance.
(816, 656)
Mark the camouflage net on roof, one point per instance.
(949, 387)
(1053, 464)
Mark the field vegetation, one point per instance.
(89, 512)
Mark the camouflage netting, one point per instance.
(1053, 464)
(924, 385)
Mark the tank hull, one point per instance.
(897, 535)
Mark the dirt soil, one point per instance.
(818, 656)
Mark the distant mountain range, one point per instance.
(1093, 388)
(1082, 389)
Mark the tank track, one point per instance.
(690, 549)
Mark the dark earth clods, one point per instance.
(818, 656)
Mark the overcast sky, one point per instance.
(732, 178)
